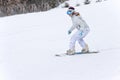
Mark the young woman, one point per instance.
(82, 31)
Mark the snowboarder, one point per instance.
(82, 31)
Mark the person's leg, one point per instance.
(82, 42)
(84, 46)
(73, 40)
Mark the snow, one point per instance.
(28, 43)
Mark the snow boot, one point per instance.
(70, 52)
(86, 49)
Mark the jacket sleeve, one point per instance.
(72, 28)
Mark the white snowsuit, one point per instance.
(82, 31)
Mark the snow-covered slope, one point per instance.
(29, 42)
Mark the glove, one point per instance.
(69, 32)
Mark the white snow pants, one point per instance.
(78, 36)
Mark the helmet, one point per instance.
(70, 10)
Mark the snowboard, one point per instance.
(77, 53)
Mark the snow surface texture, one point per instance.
(28, 43)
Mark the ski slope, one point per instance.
(28, 43)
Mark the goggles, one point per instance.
(69, 12)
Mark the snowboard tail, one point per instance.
(87, 52)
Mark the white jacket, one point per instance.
(78, 23)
